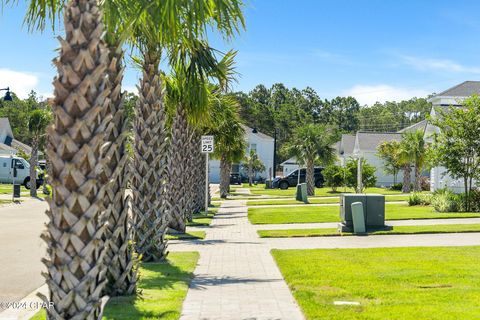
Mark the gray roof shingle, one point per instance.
(369, 141)
(416, 126)
(464, 89)
(347, 144)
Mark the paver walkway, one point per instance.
(236, 277)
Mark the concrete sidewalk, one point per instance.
(236, 277)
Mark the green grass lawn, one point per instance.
(162, 287)
(389, 283)
(319, 192)
(329, 232)
(203, 219)
(316, 200)
(309, 214)
(189, 235)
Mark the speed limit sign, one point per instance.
(207, 144)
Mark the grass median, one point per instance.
(189, 235)
(319, 192)
(309, 214)
(331, 232)
(387, 283)
(202, 219)
(162, 288)
(388, 198)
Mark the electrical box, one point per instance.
(373, 206)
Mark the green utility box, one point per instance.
(358, 218)
(302, 192)
(16, 190)
(373, 208)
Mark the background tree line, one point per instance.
(264, 107)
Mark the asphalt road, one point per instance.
(21, 248)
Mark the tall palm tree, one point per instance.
(166, 27)
(312, 144)
(118, 16)
(38, 121)
(230, 144)
(413, 151)
(75, 260)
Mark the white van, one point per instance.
(23, 171)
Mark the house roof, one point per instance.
(464, 89)
(21, 146)
(347, 143)
(5, 127)
(416, 126)
(259, 134)
(4, 147)
(292, 160)
(369, 141)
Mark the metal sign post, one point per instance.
(207, 148)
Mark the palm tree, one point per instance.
(230, 144)
(312, 144)
(253, 165)
(176, 35)
(117, 19)
(38, 121)
(75, 258)
(413, 151)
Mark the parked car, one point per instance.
(235, 178)
(21, 168)
(291, 180)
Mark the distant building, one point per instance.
(454, 96)
(289, 165)
(8, 144)
(263, 146)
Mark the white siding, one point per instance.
(264, 149)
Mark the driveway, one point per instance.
(21, 248)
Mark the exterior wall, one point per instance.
(384, 179)
(288, 168)
(264, 149)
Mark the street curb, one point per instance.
(25, 313)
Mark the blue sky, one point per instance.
(373, 50)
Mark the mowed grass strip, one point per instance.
(331, 232)
(163, 288)
(319, 192)
(189, 235)
(316, 200)
(389, 283)
(309, 214)
(203, 219)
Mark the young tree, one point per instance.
(38, 122)
(414, 145)
(253, 164)
(368, 175)
(457, 145)
(389, 152)
(334, 176)
(312, 144)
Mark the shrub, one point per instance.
(334, 176)
(417, 198)
(414, 199)
(446, 201)
(396, 186)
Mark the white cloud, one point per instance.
(19, 82)
(446, 65)
(131, 89)
(369, 94)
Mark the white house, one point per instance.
(261, 143)
(345, 148)
(454, 96)
(8, 144)
(289, 165)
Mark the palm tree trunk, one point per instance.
(149, 183)
(189, 175)
(120, 258)
(33, 167)
(75, 264)
(200, 185)
(310, 178)
(407, 171)
(177, 170)
(225, 168)
(417, 186)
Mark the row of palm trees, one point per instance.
(94, 242)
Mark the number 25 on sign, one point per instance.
(207, 144)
